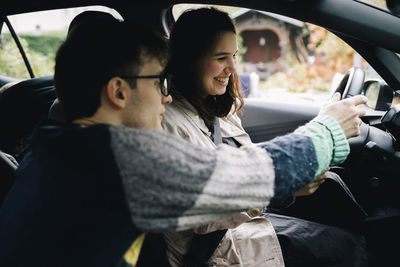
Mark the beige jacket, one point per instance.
(251, 240)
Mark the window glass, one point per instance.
(377, 3)
(396, 98)
(283, 58)
(11, 62)
(40, 34)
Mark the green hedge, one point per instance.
(40, 49)
(45, 44)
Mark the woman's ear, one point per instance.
(116, 92)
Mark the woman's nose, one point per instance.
(231, 67)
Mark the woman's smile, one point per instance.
(222, 81)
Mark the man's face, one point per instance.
(147, 104)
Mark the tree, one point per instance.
(40, 57)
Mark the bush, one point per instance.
(40, 54)
(45, 44)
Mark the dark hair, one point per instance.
(98, 51)
(87, 16)
(193, 35)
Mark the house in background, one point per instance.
(269, 39)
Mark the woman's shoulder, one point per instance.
(178, 112)
(231, 126)
(233, 117)
(181, 118)
(233, 120)
(172, 117)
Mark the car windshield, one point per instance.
(300, 62)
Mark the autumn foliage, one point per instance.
(328, 55)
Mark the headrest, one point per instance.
(22, 106)
(56, 112)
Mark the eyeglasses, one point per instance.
(164, 81)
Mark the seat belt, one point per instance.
(203, 246)
(217, 132)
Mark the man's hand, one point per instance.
(311, 187)
(346, 112)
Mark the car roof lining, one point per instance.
(362, 17)
(363, 28)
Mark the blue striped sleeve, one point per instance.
(295, 163)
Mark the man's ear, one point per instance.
(116, 92)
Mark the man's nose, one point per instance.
(166, 99)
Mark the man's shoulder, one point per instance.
(59, 128)
(59, 137)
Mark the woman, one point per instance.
(207, 98)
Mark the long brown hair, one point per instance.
(193, 35)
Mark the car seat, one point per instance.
(22, 106)
(8, 165)
(56, 112)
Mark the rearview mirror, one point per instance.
(379, 95)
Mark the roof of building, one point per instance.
(288, 20)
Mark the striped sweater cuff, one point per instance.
(341, 148)
(326, 135)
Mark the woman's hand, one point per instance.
(346, 112)
(311, 187)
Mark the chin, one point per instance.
(221, 92)
(159, 128)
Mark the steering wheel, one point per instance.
(352, 83)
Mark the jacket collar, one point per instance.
(191, 113)
(229, 128)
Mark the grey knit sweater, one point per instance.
(82, 195)
(171, 184)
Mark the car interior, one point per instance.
(370, 171)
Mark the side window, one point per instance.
(11, 62)
(40, 34)
(286, 59)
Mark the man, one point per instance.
(89, 187)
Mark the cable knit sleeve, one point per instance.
(172, 185)
(300, 157)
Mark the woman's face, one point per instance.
(218, 65)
